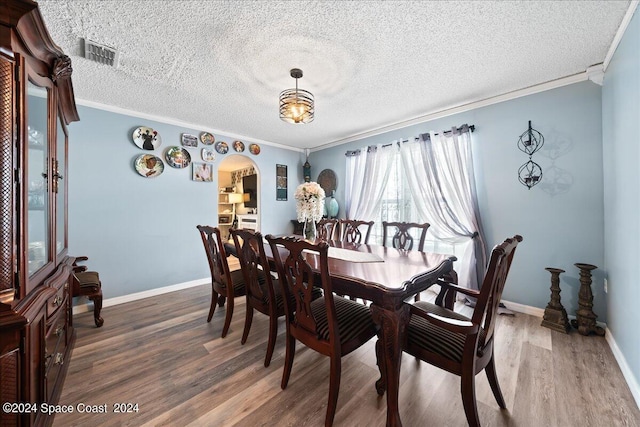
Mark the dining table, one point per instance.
(386, 278)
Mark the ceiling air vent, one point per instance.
(100, 53)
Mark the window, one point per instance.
(397, 205)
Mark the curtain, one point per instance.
(367, 175)
(439, 171)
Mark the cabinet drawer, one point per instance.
(55, 352)
(58, 301)
(56, 331)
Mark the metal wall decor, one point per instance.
(530, 142)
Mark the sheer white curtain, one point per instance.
(439, 171)
(367, 176)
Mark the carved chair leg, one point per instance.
(490, 370)
(227, 318)
(468, 391)
(247, 323)
(334, 389)
(288, 360)
(381, 385)
(97, 307)
(212, 309)
(222, 300)
(273, 334)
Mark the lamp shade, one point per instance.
(235, 198)
(296, 105)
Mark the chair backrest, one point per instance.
(297, 279)
(402, 239)
(493, 284)
(326, 228)
(216, 254)
(351, 230)
(254, 266)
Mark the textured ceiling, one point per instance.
(220, 65)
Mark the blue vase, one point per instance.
(332, 207)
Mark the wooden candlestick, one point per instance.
(585, 320)
(555, 316)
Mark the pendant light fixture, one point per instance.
(296, 105)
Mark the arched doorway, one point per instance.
(239, 194)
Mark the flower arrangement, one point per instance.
(309, 201)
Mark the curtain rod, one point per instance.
(446, 132)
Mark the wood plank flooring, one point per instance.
(161, 354)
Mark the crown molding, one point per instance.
(621, 30)
(595, 73)
(180, 123)
(553, 84)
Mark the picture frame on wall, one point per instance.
(281, 182)
(202, 172)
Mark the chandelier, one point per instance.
(296, 105)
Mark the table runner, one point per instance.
(352, 256)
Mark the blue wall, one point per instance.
(559, 228)
(621, 115)
(140, 233)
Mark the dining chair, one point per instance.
(87, 283)
(263, 294)
(225, 284)
(351, 230)
(326, 228)
(458, 344)
(402, 238)
(331, 325)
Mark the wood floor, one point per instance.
(161, 354)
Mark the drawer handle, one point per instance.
(57, 300)
(59, 360)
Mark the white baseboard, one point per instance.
(631, 380)
(87, 306)
(526, 309)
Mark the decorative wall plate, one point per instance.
(146, 138)
(207, 139)
(222, 147)
(327, 180)
(177, 157)
(189, 140)
(238, 146)
(208, 154)
(254, 149)
(148, 165)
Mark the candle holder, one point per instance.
(585, 320)
(555, 316)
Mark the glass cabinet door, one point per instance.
(37, 174)
(59, 184)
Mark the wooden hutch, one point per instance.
(36, 105)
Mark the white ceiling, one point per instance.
(220, 65)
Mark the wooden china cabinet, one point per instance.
(36, 105)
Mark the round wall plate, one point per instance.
(146, 138)
(328, 181)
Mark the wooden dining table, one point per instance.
(384, 278)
